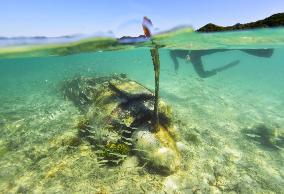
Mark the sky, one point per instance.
(123, 17)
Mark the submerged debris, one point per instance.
(118, 121)
(271, 137)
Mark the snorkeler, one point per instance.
(195, 57)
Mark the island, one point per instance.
(276, 20)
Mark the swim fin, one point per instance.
(259, 52)
(230, 65)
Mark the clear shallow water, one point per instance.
(38, 149)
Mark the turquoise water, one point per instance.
(228, 149)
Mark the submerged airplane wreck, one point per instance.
(118, 121)
(123, 117)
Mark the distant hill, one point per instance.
(37, 37)
(34, 40)
(275, 20)
(23, 40)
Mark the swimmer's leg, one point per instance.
(175, 54)
(174, 58)
(199, 69)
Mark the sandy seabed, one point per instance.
(41, 152)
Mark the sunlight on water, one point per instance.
(229, 126)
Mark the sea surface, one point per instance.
(232, 122)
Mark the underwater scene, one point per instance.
(77, 117)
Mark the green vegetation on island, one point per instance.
(275, 20)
